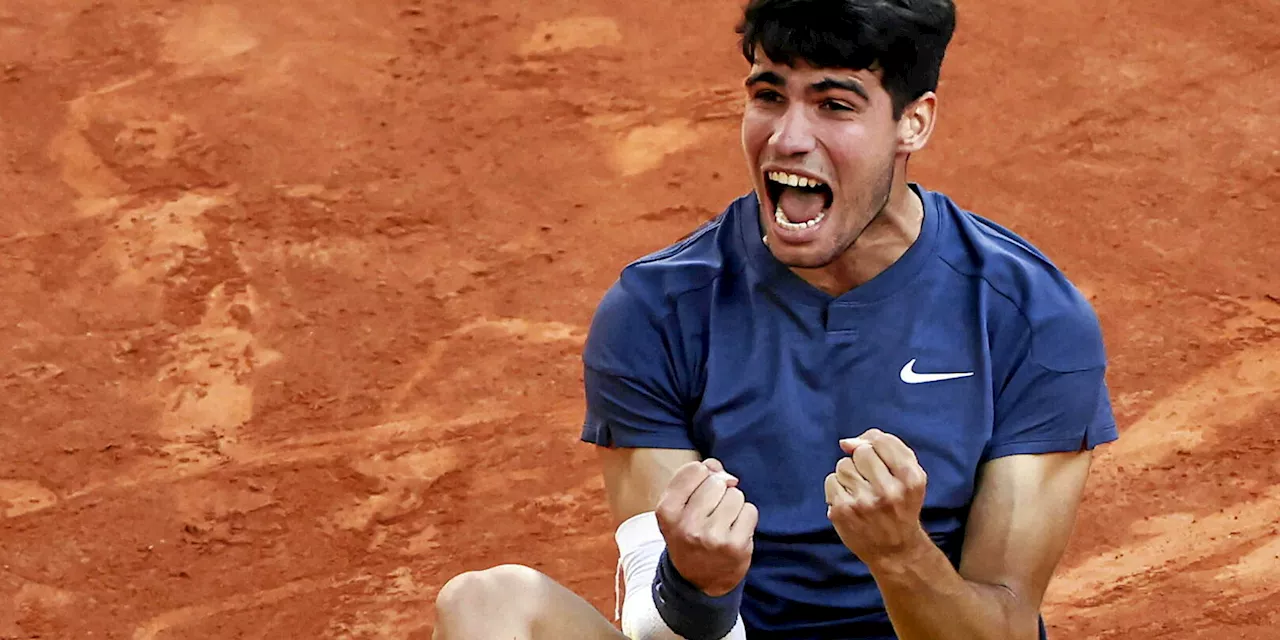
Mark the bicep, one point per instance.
(1021, 520)
(635, 478)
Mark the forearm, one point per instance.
(928, 600)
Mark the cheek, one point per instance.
(856, 150)
(756, 131)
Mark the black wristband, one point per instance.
(688, 611)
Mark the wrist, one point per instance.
(688, 610)
(914, 554)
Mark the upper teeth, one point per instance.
(793, 180)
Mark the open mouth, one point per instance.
(800, 202)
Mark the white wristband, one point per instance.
(640, 544)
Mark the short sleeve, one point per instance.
(1046, 411)
(630, 378)
(1056, 398)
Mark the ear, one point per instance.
(916, 124)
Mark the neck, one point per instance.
(881, 244)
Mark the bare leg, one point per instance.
(514, 602)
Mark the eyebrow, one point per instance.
(767, 77)
(852, 86)
(826, 84)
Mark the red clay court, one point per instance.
(294, 293)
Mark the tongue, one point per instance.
(799, 205)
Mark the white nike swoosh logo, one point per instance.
(909, 375)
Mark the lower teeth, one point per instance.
(782, 221)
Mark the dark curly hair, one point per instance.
(905, 40)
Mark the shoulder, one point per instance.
(653, 292)
(1061, 325)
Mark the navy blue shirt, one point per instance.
(712, 344)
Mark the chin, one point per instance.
(803, 257)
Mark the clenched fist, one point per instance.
(708, 526)
(875, 496)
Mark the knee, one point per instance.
(510, 588)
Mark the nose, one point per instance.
(793, 134)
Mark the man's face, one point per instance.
(833, 128)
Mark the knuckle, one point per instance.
(720, 544)
(664, 523)
(867, 504)
(734, 497)
(694, 467)
(831, 484)
(893, 494)
(666, 514)
(912, 480)
(679, 528)
(689, 470)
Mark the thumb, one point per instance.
(717, 469)
(849, 445)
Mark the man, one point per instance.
(845, 408)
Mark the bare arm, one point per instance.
(635, 478)
(681, 577)
(1020, 523)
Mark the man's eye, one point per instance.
(768, 96)
(835, 105)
